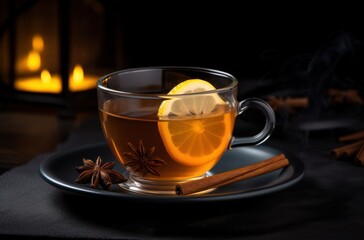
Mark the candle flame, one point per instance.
(33, 61)
(38, 43)
(45, 77)
(78, 74)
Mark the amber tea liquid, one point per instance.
(135, 140)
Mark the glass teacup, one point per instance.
(167, 125)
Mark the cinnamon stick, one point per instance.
(345, 96)
(232, 176)
(279, 103)
(352, 137)
(297, 102)
(359, 159)
(347, 150)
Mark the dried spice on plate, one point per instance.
(98, 173)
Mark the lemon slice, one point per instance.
(195, 129)
(190, 105)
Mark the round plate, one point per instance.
(59, 170)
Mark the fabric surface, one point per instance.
(326, 204)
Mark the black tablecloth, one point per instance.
(328, 203)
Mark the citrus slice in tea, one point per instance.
(195, 129)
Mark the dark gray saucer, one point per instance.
(59, 171)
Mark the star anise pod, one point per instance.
(99, 173)
(141, 160)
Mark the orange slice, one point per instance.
(195, 129)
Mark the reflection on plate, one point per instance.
(59, 171)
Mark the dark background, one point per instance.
(300, 49)
(248, 49)
(250, 40)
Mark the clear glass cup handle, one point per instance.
(270, 121)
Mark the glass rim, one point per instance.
(232, 85)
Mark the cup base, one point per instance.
(142, 186)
